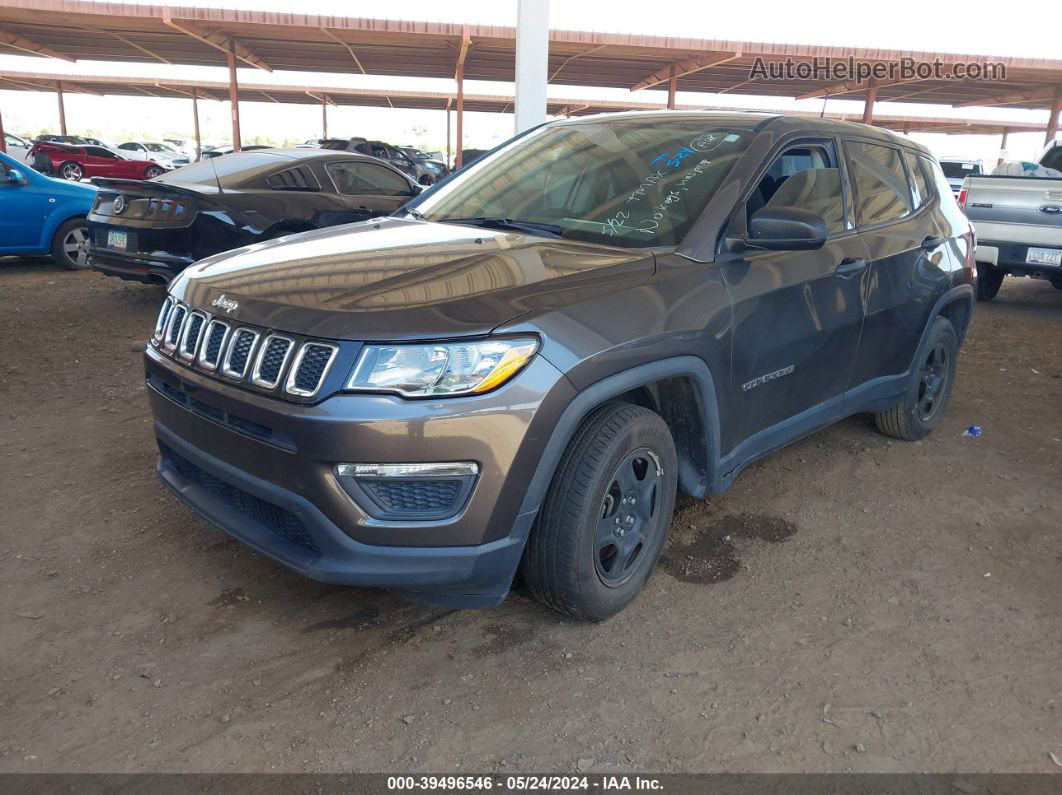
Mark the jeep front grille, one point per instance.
(216, 333)
(190, 338)
(239, 353)
(271, 360)
(309, 369)
(176, 322)
(264, 359)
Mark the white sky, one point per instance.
(1024, 28)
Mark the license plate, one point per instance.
(120, 240)
(1044, 256)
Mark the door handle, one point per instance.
(849, 266)
(930, 242)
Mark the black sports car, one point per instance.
(149, 231)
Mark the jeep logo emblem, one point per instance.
(119, 204)
(227, 304)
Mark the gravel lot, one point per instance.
(870, 605)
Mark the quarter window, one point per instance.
(881, 190)
(300, 178)
(359, 179)
(918, 180)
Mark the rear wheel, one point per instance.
(71, 171)
(606, 515)
(929, 387)
(152, 172)
(70, 245)
(989, 280)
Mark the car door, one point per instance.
(797, 314)
(368, 189)
(23, 210)
(98, 162)
(908, 258)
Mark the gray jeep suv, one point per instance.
(522, 366)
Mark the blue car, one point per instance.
(41, 215)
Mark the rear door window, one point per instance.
(880, 183)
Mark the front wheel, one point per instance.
(928, 389)
(606, 515)
(70, 245)
(153, 172)
(71, 171)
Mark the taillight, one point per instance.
(962, 195)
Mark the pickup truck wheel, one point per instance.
(928, 389)
(70, 245)
(989, 280)
(606, 515)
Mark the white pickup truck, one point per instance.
(1018, 222)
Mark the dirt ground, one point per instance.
(852, 603)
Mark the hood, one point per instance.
(404, 279)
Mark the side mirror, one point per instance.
(15, 177)
(786, 229)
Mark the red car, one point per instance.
(79, 162)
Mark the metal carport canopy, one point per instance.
(438, 100)
(272, 40)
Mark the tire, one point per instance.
(989, 280)
(1057, 284)
(929, 387)
(153, 172)
(592, 548)
(426, 180)
(70, 245)
(71, 171)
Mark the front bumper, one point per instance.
(280, 496)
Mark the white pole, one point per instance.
(532, 62)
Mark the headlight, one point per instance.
(444, 368)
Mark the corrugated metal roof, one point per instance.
(275, 40)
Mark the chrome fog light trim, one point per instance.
(439, 469)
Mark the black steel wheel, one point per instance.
(929, 386)
(606, 515)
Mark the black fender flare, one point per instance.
(962, 292)
(601, 391)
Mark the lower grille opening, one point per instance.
(277, 520)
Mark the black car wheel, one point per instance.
(606, 515)
(989, 280)
(71, 171)
(153, 172)
(928, 389)
(70, 245)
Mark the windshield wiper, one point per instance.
(529, 227)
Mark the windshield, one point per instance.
(157, 148)
(956, 170)
(623, 182)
